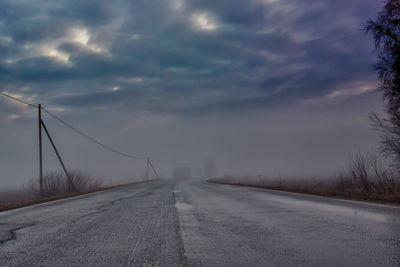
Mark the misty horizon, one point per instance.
(226, 81)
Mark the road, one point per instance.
(195, 223)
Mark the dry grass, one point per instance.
(305, 186)
(56, 183)
(365, 177)
(14, 195)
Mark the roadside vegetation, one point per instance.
(385, 30)
(55, 186)
(365, 177)
(56, 183)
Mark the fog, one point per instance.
(303, 140)
(274, 88)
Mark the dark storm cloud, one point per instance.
(187, 57)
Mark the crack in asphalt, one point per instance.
(104, 207)
(99, 210)
(12, 233)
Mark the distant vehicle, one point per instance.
(183, 172)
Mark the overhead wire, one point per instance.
(75, 129)
(19, 100)
(91, 138)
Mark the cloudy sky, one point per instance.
(274, 87)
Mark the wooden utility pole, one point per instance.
(40, 151)
(147, 168)
(154, 170)
(71, 184)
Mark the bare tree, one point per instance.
(386, 32)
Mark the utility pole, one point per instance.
(147, 168)
(71, 184)
(40, 151)
(154, 170)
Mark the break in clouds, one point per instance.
(238, 81)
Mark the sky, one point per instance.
(271, 87)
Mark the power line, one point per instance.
(19, 100)
(152, 167)
(75, 129)
(91, 138)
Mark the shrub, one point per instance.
(366, 176)
(56, 183)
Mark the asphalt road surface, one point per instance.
(195, 223)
